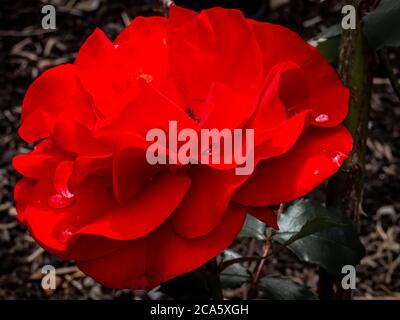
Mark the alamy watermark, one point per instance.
(189, 146)
(349, 278)
(49, 19)
(349, 20)
(49, 279)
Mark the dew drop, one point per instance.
(65, 234)
(316, 172)
(146, 77)
(60, 200)
(66, 193)
(322, 118)
(116, 46)
(338, 158)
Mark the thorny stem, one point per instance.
(257, 276)
(225, 264)
(345, 188)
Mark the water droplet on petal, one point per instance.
(65, 234)
(339, 158)
(116, 46)
(146, 77)
(66, 193)
(143, 282)
(316, 172)
(60, 200)
(322, 118)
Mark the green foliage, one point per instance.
(314, 233)
(253, 228)
(329, 42)
(282, 288)
(313, 226)
(235, 275)
(320, 235)
(330, 49)
(381, 27)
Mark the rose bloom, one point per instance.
(89, 195)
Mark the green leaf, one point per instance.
(320, 235)
(282, 288)
(381, 27)
(253, 228)
(235, 275)
(328, 42)
(330, 49)
(313, 226)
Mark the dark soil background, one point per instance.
(26, 50)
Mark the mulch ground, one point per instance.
(26, 51)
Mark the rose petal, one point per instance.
(321, 79)
(22, 194)
(62, 176)
(205, 203)
(179, 16)
(94, 212)
(209, 47)
(130, 168)
(146, 262)
(154, 111)
(275, 100)
(40, 162)
(104, 76)
(56, 91)
(226, 108)
(142, 46)
(266, 215)
(35, 126)
(282, 139)
(317, 156)
(152, 205)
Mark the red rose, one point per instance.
(88, 193)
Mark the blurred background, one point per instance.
(26, 50)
